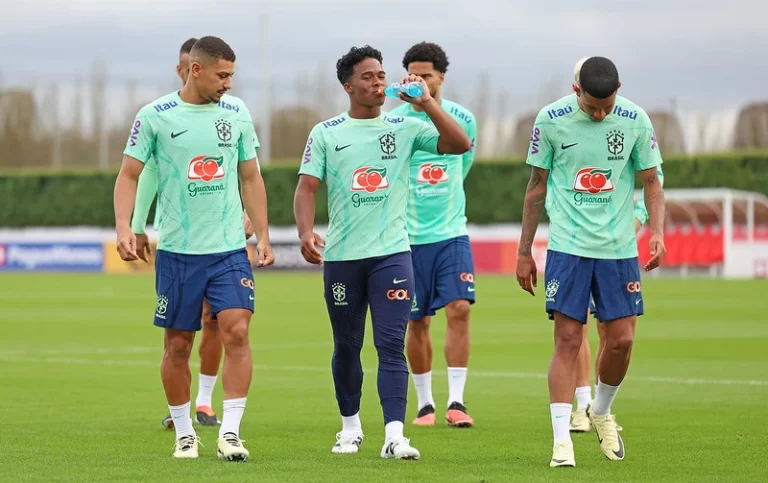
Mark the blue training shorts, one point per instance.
(572, 282)
(183, 281)
(444, 272)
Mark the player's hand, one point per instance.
(143, 250)
(247, 227)
(126, 245)
(658, 250)
(526, 273)
(309, 243)
(265, 254)
(426, 96)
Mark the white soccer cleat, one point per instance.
(562, 455)
(580, 421)
(186, 447)
(348, 442)
(230, 448)
(399, 448)
(610, 441)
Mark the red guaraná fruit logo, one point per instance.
(370, 179)
(432, 173)
(593, 180)
(206, 168)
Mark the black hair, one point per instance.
(598, 77)
(427, 52)
(186, 47)
(345, 66)
(214, 48)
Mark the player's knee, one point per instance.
(458, 310)
(458, 315)
(420, 327)
(621, 343)
(237, 335)
(178, 349)
(569, 339)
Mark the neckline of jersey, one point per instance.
(177, 94)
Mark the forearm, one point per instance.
(452, 134)
(533, 207)
(304, 211)
(124, 200)
(145, 193)
(254, 196)
(654, 202)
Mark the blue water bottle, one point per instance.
(411, 89)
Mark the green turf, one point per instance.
(81, 399)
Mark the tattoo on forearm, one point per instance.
(535, 195)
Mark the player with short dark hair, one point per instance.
(585, 151)
(204, 145)
(211, 346)
(442, 258)
(580, 419)
(364, 156)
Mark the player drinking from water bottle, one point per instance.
(442, 258)
(364, 157)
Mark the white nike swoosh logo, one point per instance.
(470, 289)
(637, 302)
(250, 297)
(396, 281)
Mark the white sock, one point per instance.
(561, 421)
(393, 430)
(181, 420)
(457, 377)
(205, 390)
(423, 384)
(233, 414)
(583, 396)
(351, 423)
(604, 396)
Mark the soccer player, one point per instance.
(364, 157)
(442, 258)
(202, 141)
(584, 152)
(211, 346)
(580, 420)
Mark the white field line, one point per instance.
(26, 357)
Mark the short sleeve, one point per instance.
(469, 157)
(645, 152)
(313, 160)
(426, 137)
(540, 150)
(141, 140)
(248, 142)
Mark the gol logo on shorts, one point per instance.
(633, 287)
(400, 294)
(246, 282)
(467, 277)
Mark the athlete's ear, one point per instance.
(442, 77)
(195, 68)
(348, 88)
(618, 86)
(576, 89)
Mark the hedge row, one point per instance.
(495, 191)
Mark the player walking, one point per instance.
(442, 258)
(364, 157)
(203, 143)
(584, 152)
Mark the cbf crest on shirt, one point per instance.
(592, 168)
(365, 164)
(197, 149)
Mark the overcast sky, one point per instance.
(702, 53)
